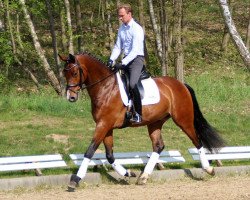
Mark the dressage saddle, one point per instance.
(125, 79)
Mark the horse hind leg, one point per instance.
(207, 135)
(187, 127)
(158, 145)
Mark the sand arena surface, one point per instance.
(222, 188)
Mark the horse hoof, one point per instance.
(210, 171)
(72, 186)
(142, 180)
(130, 174)
(74, 182)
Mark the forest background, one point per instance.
(188, 40)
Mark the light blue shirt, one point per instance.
(130, 41)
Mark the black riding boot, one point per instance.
(136, 118)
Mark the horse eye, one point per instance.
(75, 74)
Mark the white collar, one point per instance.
(130, 23)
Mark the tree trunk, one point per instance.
(53, 35)
(226, 35)
(32, 76)
(177, 34)
(156, 30)
(10, 28)
(141, 20)
(55, 48)
(103, 10)
(234, 34)
(109, 25)
(118, 2)
(19, 40)
(63, 30)
(54, 81)
(141, 13)
(91, 22)
(70, 32)
(79, 26)
(1, 25)
(2, 17)
(248, 33)
(164, 63)
(24, 56)
(225, 40)
(99, 9)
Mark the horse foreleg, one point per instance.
(76, 178)
(108, 143)
(158, 145)
(99, 135)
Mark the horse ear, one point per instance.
(71, 58)
(63, 58)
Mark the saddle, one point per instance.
(125, 79)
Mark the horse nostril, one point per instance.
(72, 99)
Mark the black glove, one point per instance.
(118, 66)
(110, 63)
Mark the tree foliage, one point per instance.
(95, 31)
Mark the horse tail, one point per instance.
(207, 134)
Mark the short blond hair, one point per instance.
(127, 7)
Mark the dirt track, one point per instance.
(222, 188)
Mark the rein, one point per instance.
(87, 86)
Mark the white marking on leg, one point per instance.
(151, 163)
(204, 162)
(83, 168)
(119, 168)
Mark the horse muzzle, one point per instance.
(72, 96)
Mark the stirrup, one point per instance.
(136, 118)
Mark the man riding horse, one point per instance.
(130, 41)
(177, 101)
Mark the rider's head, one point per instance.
(124, 13)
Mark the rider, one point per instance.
(130, 41)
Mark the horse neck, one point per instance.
(98, 75)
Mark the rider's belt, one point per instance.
(135, 57)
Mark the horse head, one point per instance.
(75, 76)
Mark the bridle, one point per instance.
(81, 81)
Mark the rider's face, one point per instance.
(124, 16)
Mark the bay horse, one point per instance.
(177, 101)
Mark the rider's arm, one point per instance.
(117, 48)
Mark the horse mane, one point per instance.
(92, 56)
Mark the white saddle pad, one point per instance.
(151, 91)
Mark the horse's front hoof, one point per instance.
(210, 170)
(142, 180)
(72, 186)
(74, 182)
(130, 174)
